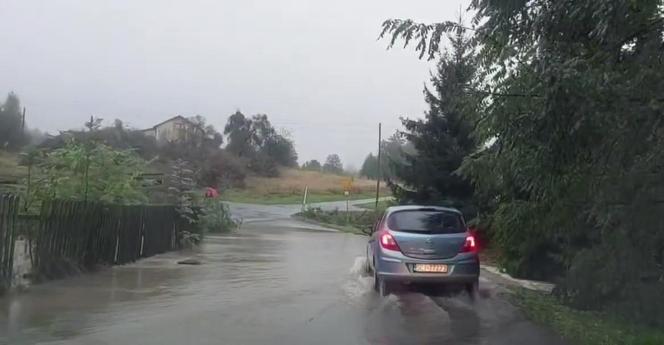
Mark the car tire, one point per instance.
(380, 285)
(473, 289)
(384, 288)
(376, 280)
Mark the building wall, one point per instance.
(172, 131)
(177, 129)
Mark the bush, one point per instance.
(264, 165)
(216, 217)
(222, 170)
(92, 172)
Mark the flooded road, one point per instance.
(276, 281)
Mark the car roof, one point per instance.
(419, 207)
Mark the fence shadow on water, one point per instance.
(75, 235)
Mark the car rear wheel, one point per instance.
(380, 285)
(473, 289)
(384, 288)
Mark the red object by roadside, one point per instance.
(211, 193)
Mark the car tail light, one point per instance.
(470, 246)
(388, 242)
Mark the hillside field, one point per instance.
(289, 188)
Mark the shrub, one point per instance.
(216, 217)
(222, 170)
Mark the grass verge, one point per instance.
(584, 327)
(352, 222)
(382, 205)
(9, 167)
(250, 197)
(10, 172)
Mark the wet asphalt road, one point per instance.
(276, 281)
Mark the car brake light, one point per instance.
(387, 241)
(470, 246)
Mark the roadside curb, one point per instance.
(524, 283)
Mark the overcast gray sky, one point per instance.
(313, 66)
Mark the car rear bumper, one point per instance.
(461, 269)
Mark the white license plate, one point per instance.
(430, 268)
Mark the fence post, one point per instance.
(9, 205)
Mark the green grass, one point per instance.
(584, 327)
(247, 196)
(382, 205)
(11, 173)
(354, 222)
(9, 168)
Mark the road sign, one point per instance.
(347, 184)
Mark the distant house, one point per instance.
(175, 129)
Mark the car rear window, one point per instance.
(426, 221)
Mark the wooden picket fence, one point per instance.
(75, 235)
(9, 205)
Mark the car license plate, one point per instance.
(430, 268)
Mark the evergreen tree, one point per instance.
(12, 132)
(370, 167)
(443, 138)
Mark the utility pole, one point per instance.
(23, 120)
(379, 168)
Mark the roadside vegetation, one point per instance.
(585, 327)
(544, 127)
(357, 222)
(382, 205)
(354, 222)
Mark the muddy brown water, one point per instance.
(276, 281)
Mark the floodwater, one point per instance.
(275, 281)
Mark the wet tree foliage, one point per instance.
(569, 171)
(254, 138)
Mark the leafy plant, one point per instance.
(89, 171)
(216, 217)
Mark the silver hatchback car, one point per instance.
(422, 244)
